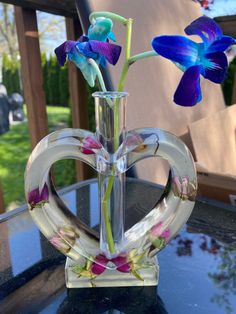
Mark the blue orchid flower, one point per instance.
(207, 58)
(101, 30)
(95, 46)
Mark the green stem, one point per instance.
(105, 202)
(106, 14)
(143, 55)
(122, 81)
(105, 209)
(105, 206)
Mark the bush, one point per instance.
(228, 84)
(64, 86)
(53, 81)
(11, 75)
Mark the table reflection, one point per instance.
(106, 300)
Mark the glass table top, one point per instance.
(197, 268)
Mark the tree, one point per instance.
(53, 81)
(10, 74)
(8, 38)
(64, 86)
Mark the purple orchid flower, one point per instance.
(207, 58)
(36, 198)
(95, 46)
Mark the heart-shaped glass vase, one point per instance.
(111, 151)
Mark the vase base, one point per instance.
(112, 278)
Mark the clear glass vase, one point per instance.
(114, 256)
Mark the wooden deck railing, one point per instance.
(32, 76)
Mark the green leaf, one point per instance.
(136, 275)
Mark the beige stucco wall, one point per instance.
(152, 82)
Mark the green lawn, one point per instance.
(15, 150)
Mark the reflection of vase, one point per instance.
(115, 258)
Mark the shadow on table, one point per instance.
(115, 300)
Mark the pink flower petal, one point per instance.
(156, 230)
(89, 143)
(166, 234)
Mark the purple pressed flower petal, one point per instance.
(44, 193)
(33, 196)
(62, 51)
(206, 28)
(126, 268)
(217, 69)
(97, 269)
(110, 51)
(177, 49)
(120, 260)
(188, 92)
(221, 44)
(122, 263)
(99, 265)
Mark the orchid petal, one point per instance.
(188, 92)
(62, 51)
(221, 44)
(111, 36)
(177, 49)
(83, 38)
(86, 68)
(85, 49)
(100, 30)
(206, 28)
(217, 69)
(110, 51)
